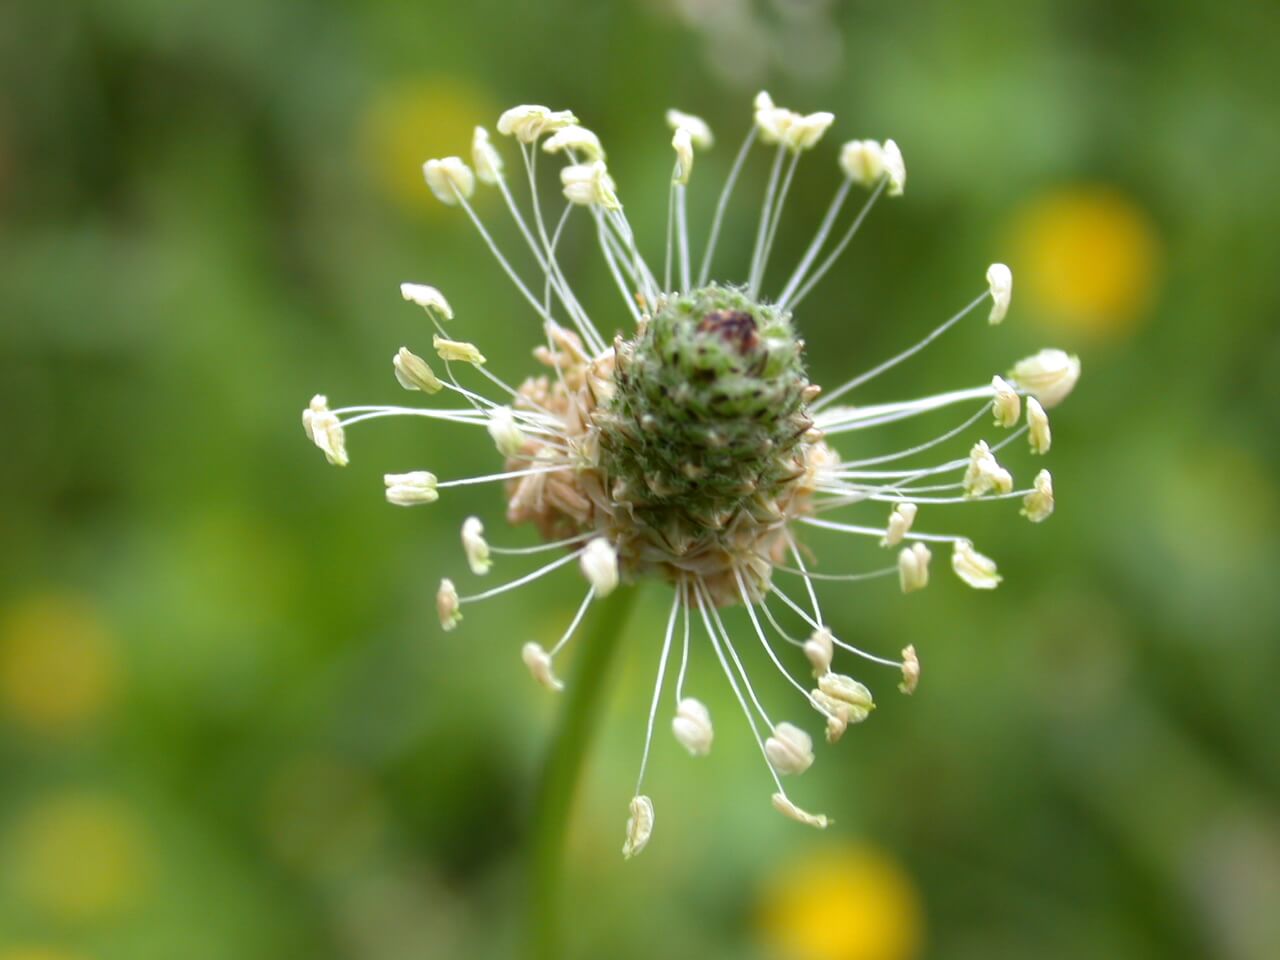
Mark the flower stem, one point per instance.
(584, 697)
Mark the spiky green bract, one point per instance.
(707, 411)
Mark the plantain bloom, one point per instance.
(674, 435)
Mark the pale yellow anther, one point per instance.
(639, 826)
(837, 714)
(529, 121)
(447, 605)
(692, 726)
(1005, 404)
(863, 161)
(699, 132)
(503, 431)
(900, 521)
(411, 489)
(913, 567)
(325, 431)
(1049, 375)
(804, 132)
(475, 546)
(1038, 427)
(910, 671)
(853, 697)
(599, 563)
(1037, 505)
(428, 298)
(539, 663)
(485, 158)
(895, 169)
(413, 373)
(458, 350)
(820, 650)
(449, 179)
(1000, 286)
(984, 473)
(783, 805)
(973, 568)
(682, 143)
(575, 139)
(771, 120)
(589, 184)
(790, 749)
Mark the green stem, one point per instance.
(584, 696)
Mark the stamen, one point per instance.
(775, 219)
(845, 577)
(704, 271)
(768, 614)
(541, 547)
(502, 262)
(603, 237)
(834, 255)
(904, 355)
(374, 413)
(468, 417)
(862, 492)
(824, 230)
(684, 657)
(920, 448)
(682, 235)
(1012, 495)
(579, 316)
(813, 595)
(621, 229)
(768, 648)
(671, 220)
(521, 581)
(737, 662)
(799, 611)
(573, 626)
(547, 329)
(766, 211)
(509, 475)
(870, 532)
(908, 478)
(724, 665)
(657, 689)
(834, 639)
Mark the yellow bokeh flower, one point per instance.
(58, 668)
(408, 123)
(77, 857)
(844, 902)
(1087, 258)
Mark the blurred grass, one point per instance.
(229, 726)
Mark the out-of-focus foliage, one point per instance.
(229, 726)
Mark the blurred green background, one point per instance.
(229, 723)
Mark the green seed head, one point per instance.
(706, 414)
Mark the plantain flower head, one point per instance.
(674, 435)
